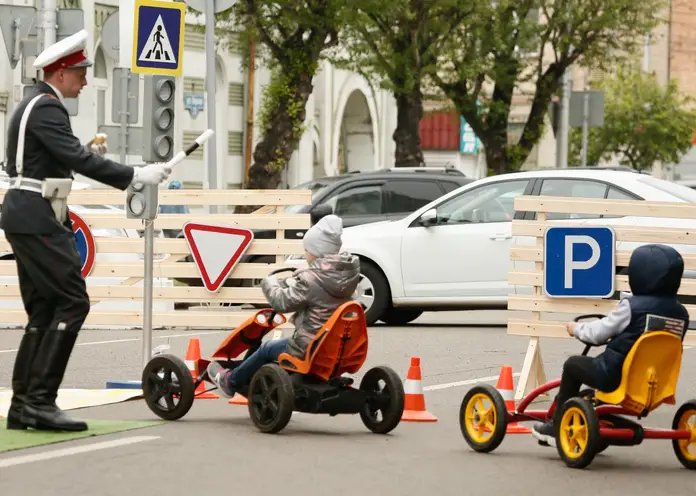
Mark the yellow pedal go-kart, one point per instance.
(595, 420)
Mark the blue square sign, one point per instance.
(579, 262)
(158, 37)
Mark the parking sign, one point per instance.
(579, 262)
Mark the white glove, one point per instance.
(151, 174)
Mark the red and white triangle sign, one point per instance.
(216, 250)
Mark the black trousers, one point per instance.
(577, 370)
(53, 290)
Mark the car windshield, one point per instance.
(677, 190)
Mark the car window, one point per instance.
(449, 186)
(573, 188)
(408, 196)
(490, 203)
(359, 200)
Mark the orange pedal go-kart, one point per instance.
(314, 384)
(595, 420)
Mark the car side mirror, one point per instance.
(319, 211)
(429, 218)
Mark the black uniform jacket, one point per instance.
(51, 150)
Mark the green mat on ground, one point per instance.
(15, 440)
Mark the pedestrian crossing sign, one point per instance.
(158, 37)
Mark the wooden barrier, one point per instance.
(120, 259)
(529, 249)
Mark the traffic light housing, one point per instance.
(158, 118)
(142, 201)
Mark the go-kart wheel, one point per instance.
(577, 437)
(685, 449)
(168, 387)
(271, 398)
(483, 425)
(388, 400)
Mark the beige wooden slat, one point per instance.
(195, 319)
(176, 221)
(524, 253)
(161, 270)
(180, 247)
(521, 327)
(195, 197)
(564, 205)
(535, 278)
(667, 235)
(576, 306)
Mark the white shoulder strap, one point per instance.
(19, 160)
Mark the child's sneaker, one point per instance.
(544, 431)
(218, 374)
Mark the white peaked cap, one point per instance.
(69, 52)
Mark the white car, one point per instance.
(454, 253)
(125, 304)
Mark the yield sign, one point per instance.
(216, 250)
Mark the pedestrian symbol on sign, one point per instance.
(158, 48)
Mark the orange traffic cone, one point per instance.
(238, 399)
(193, 353)
(506, 389)
(414, 408)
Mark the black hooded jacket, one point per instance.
(654, 274)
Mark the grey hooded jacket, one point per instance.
(313, 294)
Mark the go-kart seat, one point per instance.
(340, 346)
(650, 374)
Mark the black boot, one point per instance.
(40, 410)
(20, 376)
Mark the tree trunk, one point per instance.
(407, 134)
(280, 139)
(496, 155)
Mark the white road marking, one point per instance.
(130, 340)
(468, 382)
(48, 455)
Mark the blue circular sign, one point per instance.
(86, 246)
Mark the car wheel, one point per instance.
(373, 292)
(400, 316)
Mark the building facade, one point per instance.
(349, 126)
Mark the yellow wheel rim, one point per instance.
(480, 418)
(573, 433)
(687, 447)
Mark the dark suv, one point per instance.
(361, 198)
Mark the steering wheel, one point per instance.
(278, 271)
(583, 317)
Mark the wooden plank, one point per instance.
(526, 253)
(636, 208)
(535, 278)
(195, 197)
(176, 293)
(521, 327)
(176, 221)
(161, 270)
(668, 235)
(576, 306)
(193, 319)
(177, 246)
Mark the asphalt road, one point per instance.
(216, 448)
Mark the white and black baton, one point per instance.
(194, 146)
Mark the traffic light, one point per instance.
(158, 118)
(142, 201)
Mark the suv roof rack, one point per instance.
(617, 168)
(448, 169)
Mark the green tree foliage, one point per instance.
(495, 55)
(394, 45)
(644, 122)
(293, 34)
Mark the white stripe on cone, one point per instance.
(507, 394)
(413, 387)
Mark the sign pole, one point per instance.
(149, 236)
(210, 83)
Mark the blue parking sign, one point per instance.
(579, 262)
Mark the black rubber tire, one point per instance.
(688, 406)
(382, 296)
(391, 415)
(500, 416)
(395, 316)
(594, 440)
(155, 389)
(267, 381)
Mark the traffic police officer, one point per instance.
(42, 154)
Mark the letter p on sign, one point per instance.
(579, 262)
